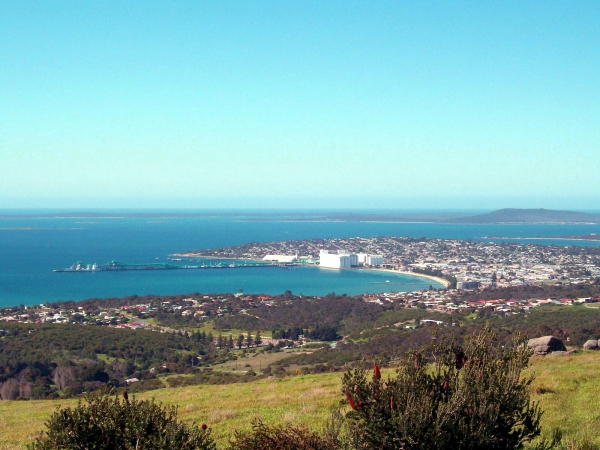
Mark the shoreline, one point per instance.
(439, 280)
(442, 281)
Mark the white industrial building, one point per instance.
(334, 260)
(352, 256)
(365, 259)
(344, 260)
(374, 260)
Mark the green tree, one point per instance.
(257, 339)
(447, 397)
(240, 341)
(249, 340)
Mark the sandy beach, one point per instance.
(442, 281)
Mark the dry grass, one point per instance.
(22, 421)
(568, 389)
(257, 361)
(304, 399)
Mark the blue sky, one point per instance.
(300, 104)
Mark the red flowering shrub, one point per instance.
(446, 397)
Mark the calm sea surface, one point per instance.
(30, 248)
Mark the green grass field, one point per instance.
(566, 387)
(209, 327)
(303, 399)
(258, 361)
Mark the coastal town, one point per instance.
(464, 268)
(461, 264)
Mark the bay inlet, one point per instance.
(32, 247)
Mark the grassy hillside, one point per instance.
(566, 388)
(305, 399)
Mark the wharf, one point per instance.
(115, 266)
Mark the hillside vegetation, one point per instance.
(565, 386)
(48, 360)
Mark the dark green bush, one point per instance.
(287, 437)
(105, 422)
(447, 397)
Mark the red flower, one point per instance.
(377, 372)
(350, 399)
(204, 427)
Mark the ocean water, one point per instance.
(31, 247)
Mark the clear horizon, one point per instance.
(45, 211)
(452, 105)
(583, 203)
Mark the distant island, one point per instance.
(501, 216)
(583, 237)
(512, 215)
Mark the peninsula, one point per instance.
(464, 264)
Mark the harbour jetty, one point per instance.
(114, 266)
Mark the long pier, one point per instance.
(115, 266)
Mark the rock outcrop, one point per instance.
(592, 344)
(546, 344)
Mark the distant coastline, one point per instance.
(502, 216)
(590, 238)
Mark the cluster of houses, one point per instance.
(472, 263)
(482, 264)
(133, 316)
(446, 301)
(44, 314)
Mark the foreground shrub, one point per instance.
(285, 437)
(447, 397)
(105, 422)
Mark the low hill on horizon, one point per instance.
(541, 215)
(507, 215)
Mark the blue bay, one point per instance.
(30, 248)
